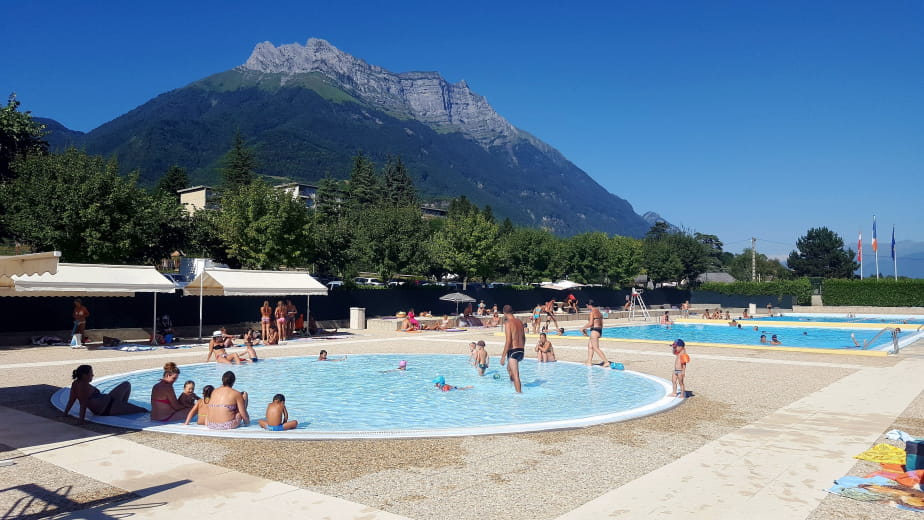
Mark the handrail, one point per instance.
(868, 342)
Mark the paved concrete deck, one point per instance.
(775, 466)
(166, 483)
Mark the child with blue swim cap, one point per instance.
(440, 382)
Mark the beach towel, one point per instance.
(879, 489)
(898, 435)
(883, 454)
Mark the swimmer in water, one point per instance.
(440, 382)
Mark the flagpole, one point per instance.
(875, 247)
(860, 252)
(894, 256)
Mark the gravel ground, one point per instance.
(523, 476)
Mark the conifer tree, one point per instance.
(240, 165)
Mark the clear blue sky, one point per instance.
(740, 119)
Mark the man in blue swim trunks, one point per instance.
(514, 346)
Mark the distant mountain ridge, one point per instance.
(308, 109)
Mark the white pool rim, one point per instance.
(143, 422)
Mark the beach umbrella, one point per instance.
(458, 298)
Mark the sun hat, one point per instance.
(216, 334)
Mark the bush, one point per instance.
(873, 293)
(800, 288)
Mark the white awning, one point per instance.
(93, 280)
(36, 263)
(239, 282)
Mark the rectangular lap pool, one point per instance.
(806, 337)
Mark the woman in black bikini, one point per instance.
(90, 398)
(595, 324)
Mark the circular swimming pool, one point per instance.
(365, 397)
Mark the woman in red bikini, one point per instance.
(164, 404)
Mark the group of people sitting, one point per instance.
(222, 408)
(411, 323)
(717, 315)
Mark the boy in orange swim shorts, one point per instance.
(681, 358)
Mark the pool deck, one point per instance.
(762, 435)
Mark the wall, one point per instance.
(54, 313)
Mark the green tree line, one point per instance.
(371, 222)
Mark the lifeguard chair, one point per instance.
(637, 305)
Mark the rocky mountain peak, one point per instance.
(424, 96)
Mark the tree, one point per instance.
(387, 240)
(173, 181)
(673, 257)
(80, 205)
(265, 228)
(365, 188)
(527, 254)
(398, 187)
(467, 245)
(821, 253)
(713, 247)
(240, 165)
(20, 137)
(767, 269)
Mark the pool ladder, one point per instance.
(895, 347)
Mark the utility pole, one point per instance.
(753, 259)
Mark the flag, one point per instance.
(893, 242)
(860, 248)
(875, 245)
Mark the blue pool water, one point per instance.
(858, 318)
(805, 337)
(359, 394)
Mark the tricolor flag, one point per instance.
(860, 248)
(875, 245)
(893, 242)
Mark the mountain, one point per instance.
(307, 110)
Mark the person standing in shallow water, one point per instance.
(595, 325)
(514, 346)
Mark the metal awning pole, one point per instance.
(154, 330)
(201, 278)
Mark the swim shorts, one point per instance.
(276, 428)
(482, 366)
(516, 354)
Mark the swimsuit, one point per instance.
(516, 354)
(227, 425)
(274, 428)
(597, 329)
(265, 319)
(482, 365)
(165, 401)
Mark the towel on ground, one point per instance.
(898, 435)
(883, 454)
(879, 489)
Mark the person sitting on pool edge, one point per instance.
(277, 416)
(227, 406)
(440, 382)
(90, 398)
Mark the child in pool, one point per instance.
(440, 382)
(201, 407)
(277, 416)
(481, 357)
(188, 397)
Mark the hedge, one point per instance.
(800, 288)
(873, 293)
